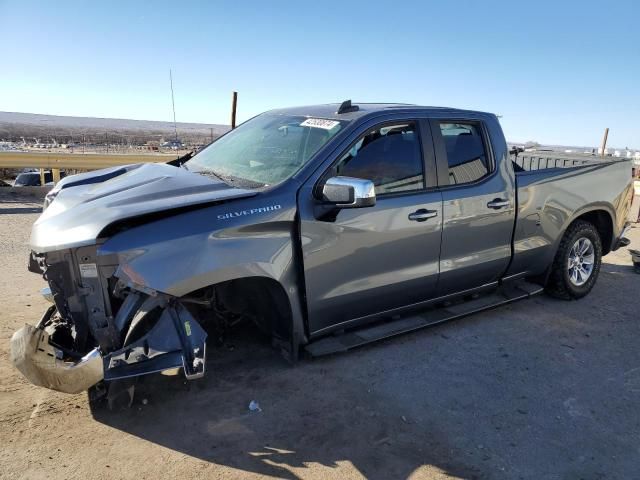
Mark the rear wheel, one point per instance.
(577, 262)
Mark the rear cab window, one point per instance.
(466, 151)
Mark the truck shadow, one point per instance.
(507, 393)
(20, 210)
(311, 414)
(610, 268)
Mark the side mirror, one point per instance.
(348, 192)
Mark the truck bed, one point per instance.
(551, 191)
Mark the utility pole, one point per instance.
(173, 105)
(234, 103)
(604, 141)
(211, 133)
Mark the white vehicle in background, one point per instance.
(7, 146)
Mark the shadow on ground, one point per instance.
(7, 196)
(310, 414)
(16, 211)
(502, 394)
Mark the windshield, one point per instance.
(266, 150)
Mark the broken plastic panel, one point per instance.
(176, 340)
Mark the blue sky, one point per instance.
(557, 71)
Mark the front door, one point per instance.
(364, 261)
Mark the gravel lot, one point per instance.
(540, 389)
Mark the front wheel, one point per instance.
(577, 262)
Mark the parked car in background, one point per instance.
(32, 179)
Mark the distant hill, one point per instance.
(14, 125)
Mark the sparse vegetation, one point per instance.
(14, 127)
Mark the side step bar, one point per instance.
(356, 338)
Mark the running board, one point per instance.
(433, 316)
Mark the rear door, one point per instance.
(478, 204)
(364, 261)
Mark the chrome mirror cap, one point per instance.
(349, 192)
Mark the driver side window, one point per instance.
(389, 156)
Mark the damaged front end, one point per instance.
(44, 364)
(103, 326)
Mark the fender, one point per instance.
(187, 252)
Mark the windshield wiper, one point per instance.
(230, 179)
(239, 181)
(209, 173)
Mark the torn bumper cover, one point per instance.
(42, 364)
(175, 340)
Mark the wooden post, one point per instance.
(604, 141)
(42, 182)
(234, 103)
(56, 175)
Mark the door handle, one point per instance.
(498, 203)
(422, 215)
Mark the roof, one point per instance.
(329, 110)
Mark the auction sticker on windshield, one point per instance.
(319, 123)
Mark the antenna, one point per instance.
(173, 105)
(346, 107)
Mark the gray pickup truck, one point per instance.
(327, 226)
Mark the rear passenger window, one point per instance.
(466, 154)
(389, 156)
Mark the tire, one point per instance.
(570, 276)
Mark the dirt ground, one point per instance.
(540, 389)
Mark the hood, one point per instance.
(87, 203)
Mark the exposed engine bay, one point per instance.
(103, 326)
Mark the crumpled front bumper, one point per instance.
(176, 340)
(41, 363)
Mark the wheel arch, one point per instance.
(263, 297)
(274, 302)
(183, 270)
(602, 218)
(558, 281)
